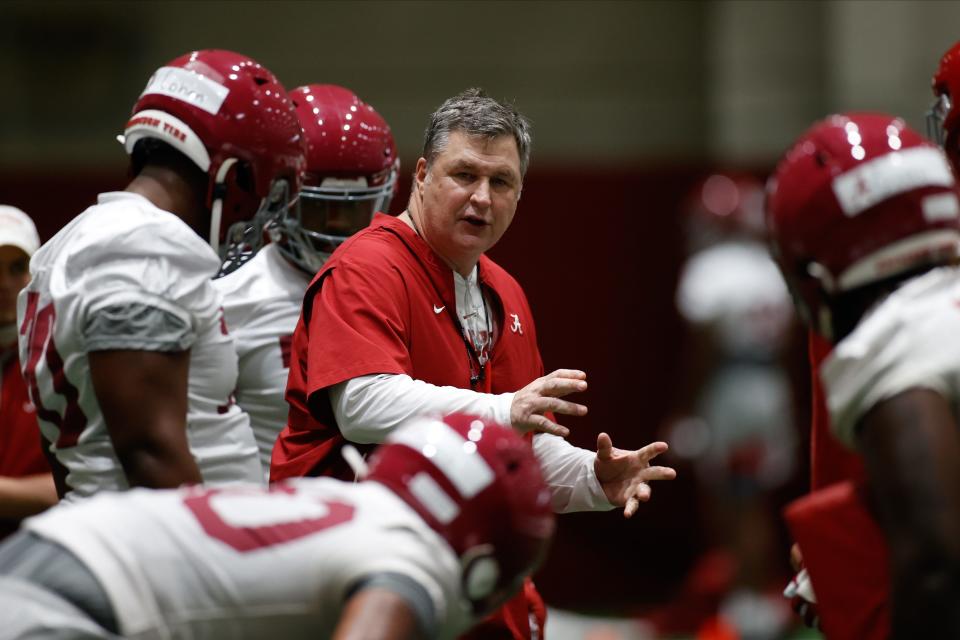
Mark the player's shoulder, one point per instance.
(906, 341)
(925, 306)
(125, 226)
(267, 276)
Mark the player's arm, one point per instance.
(25, 496)
(911, 446)
(143, 398)
(387, 606)
(377, 614)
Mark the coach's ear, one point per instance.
(420, 176)
(377, 614)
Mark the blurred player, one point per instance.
(865, 225)
(737, 427)
(26, 484)
(351, 174)
(122, 338)
(452, 516)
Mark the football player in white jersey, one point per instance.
(736, 422)
(864, 220)
(351, 173)
(451, 517)
(122, 339)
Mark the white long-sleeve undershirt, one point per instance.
(367, 408)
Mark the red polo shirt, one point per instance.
(384, 303)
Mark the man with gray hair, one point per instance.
(411, 317)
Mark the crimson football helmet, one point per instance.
(232, 118)
(943, 120)
(859, 199)
(721, 206)
(351, 173)
(479, 486)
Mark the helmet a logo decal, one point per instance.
(516, 327)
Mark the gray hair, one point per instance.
(476, 114)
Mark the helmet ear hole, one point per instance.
(481, 572)
(243, 175)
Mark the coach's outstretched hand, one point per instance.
(544, 395)
(624, 474)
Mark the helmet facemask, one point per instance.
(936, 116)
(243, 239)
(326, 215)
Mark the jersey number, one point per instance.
(38, 328)
(251, 538)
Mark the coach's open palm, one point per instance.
(625, 475)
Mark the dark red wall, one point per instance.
(598, 254)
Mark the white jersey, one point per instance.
(736, 291)
(120, 253)
(262, 302)
(909, 340)
(248, 562)
(736, 288)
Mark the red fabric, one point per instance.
(385, 303)
(372, 309)
(512, 620)
(830, 461)
(847, 558)
(20, 452)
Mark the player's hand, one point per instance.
(796, 557)
(544, 394)
(802, 599)
(624, 475)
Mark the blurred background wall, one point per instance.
(631, 102)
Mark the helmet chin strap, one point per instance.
(216, 209)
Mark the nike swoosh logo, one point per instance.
(437, 309)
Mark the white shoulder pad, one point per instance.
(908, 341)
